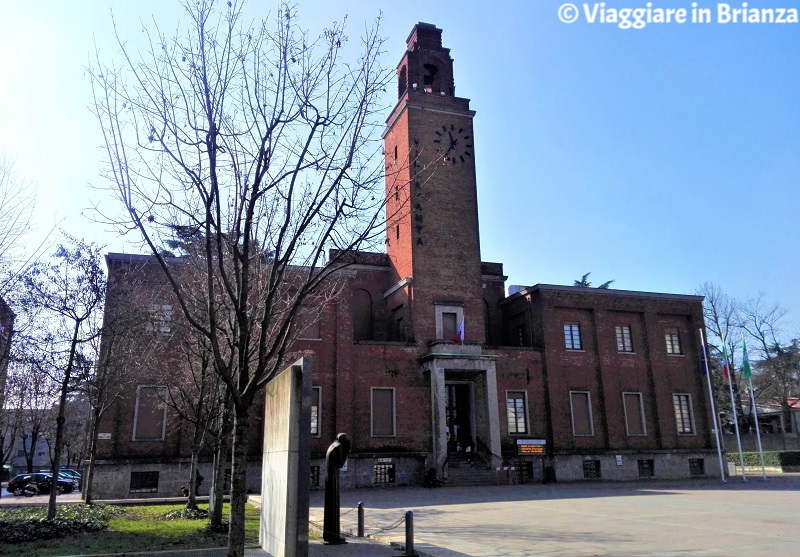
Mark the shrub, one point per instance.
(26, 524)
(186, 514)
(771, 458)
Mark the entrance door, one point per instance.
(458, 410)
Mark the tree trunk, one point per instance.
(60, 420)
(241, 429)
(787, 417)
(191, 504)
(87, 481)
(220, 459)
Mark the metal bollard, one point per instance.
(410, 534)
(360, 520)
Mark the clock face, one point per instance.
(453, 144)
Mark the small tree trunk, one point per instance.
(87, 481)
(220, 459)
(60, 420)
(241, 429)
(192, 485)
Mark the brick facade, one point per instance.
(386, 339)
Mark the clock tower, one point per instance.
(432, 209)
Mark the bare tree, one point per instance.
(195, 394)
(10, 416)
(68, 293)
(778, 371)
(34, 405)
(265, 141)
(16, 208)
(724, 322)
(126, 342)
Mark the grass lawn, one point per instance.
(139, 528)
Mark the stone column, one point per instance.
(438, 416)
(493, 412)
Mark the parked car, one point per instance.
(63, 475)
(76, 475)
(42, 481)
(67, 476)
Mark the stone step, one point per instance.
(471, 475)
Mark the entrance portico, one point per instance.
(463, 399)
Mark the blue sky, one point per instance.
(662, 157)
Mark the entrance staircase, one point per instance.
(469, 469)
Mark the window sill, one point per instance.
(676, 355)
(314, 339)
(626, 352)
(574, 350)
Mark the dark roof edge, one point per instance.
(605, 292)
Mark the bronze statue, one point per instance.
(335, 459)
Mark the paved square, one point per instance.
(687, 518)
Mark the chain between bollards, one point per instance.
(360, 520)
(410, 534)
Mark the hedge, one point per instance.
(771, 458)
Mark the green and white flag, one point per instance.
(745, 361)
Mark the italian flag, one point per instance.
(725, 371)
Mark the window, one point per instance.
(308, 323)
(580, 404)
(149, 421)
(572, 336)
(315, 476)
(362, 315)
(316, 406)
(646, 468)
(160, 319)
(697, 467)
(517, 414)
(449, 326)
(448, 319)
(591, 469)
(673, 338)
(634, 414)
(144, 482)
(402, 81)
(397, 331)
(624, 343)
(383, 412)
(683, 413)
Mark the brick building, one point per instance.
(426, 363)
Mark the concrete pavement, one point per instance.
(665, 519)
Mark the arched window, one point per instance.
(362, 315)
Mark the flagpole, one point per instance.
(754, 409)
(713, 406)
(733, 407)
(758, 430)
